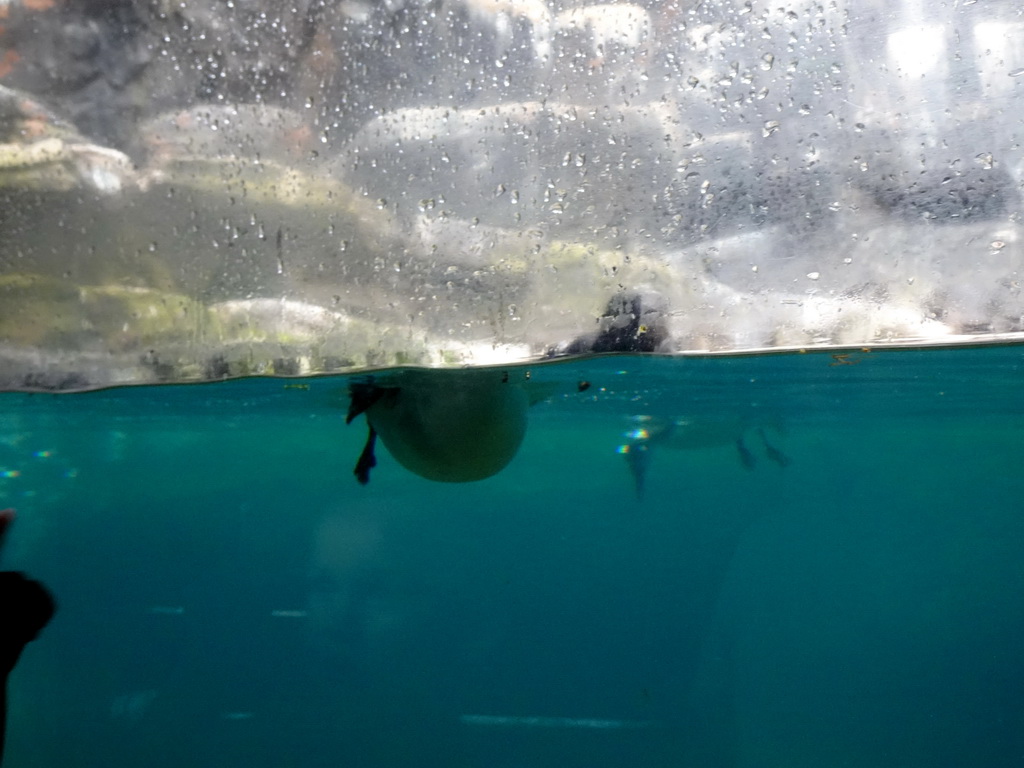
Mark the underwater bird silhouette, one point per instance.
(448, 426)
(698, 433)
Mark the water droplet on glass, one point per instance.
(427, 204)
(997, 245)
(985, 160)
(381, 204)
(770, 127)
(767, 61)
(1017, 72)
(813, 275)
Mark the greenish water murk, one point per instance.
(230, 595)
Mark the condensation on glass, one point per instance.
(197, 190)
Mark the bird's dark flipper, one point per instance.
(367, 460)
(637, 457)
(773, 453)
(745, 455)
(362, 397)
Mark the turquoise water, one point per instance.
(230, 596)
